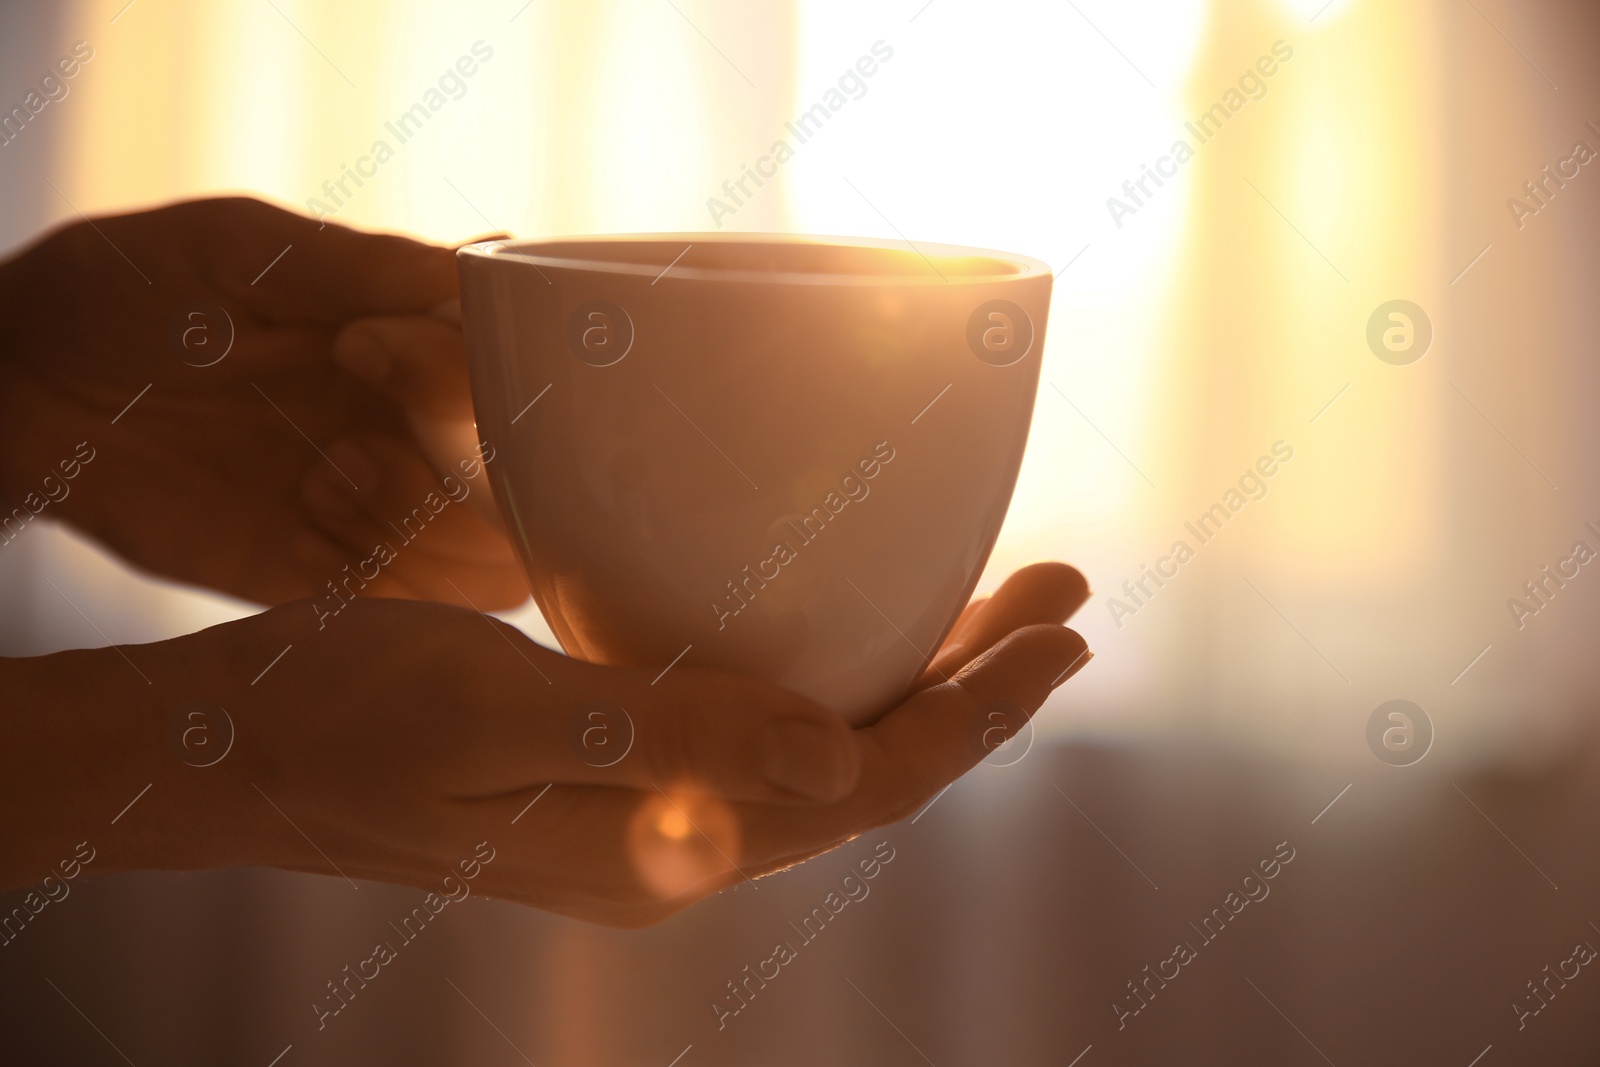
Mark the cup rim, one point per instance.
(511, 250)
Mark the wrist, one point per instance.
(132, 752)
(74, 748)
(12, 374)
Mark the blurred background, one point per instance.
(1201, 319)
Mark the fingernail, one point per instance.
(803, 757)
(1073, 668)
(356, 466)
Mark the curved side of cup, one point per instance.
(800, 481)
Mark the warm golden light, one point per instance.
(678, 841)
(673, 825)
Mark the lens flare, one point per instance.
(679, 841)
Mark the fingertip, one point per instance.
(359, 350)
(1055, 583)
(1064, 651)
(1026, 665)
(1074, 665)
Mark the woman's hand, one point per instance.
(388, 741)
(394, 739)
(266, 472)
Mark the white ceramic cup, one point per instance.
(787, 457)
